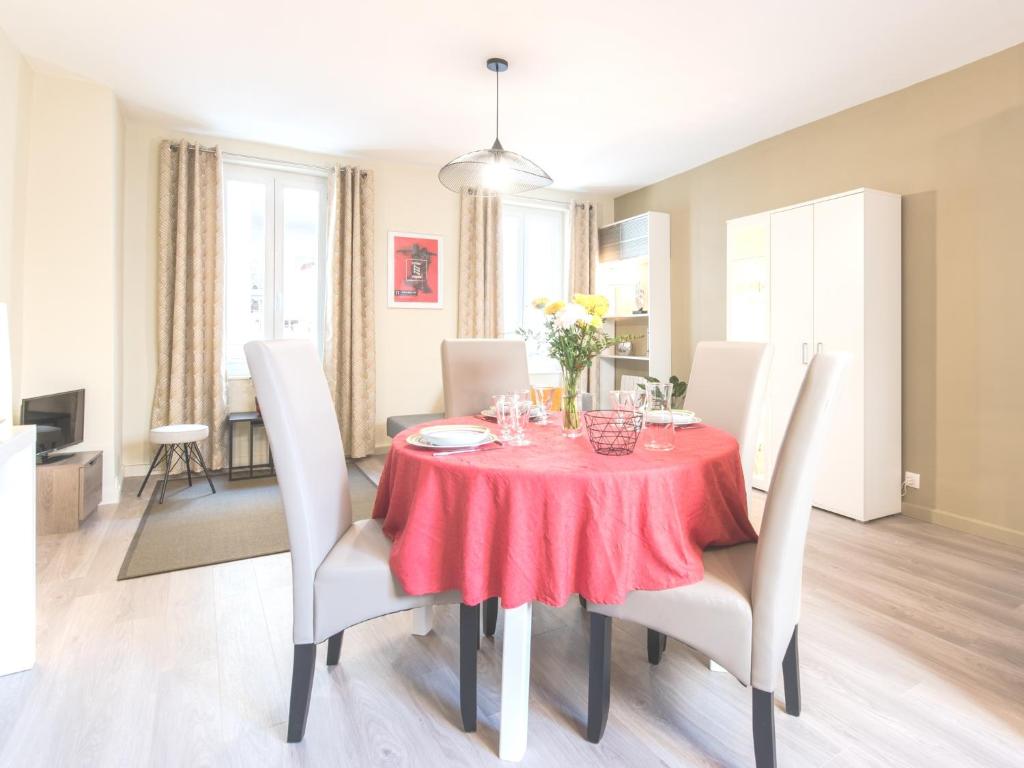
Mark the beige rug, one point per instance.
(194, 527)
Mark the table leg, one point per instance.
(422, 620)
(231, 450)
(515, 682)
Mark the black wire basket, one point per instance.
(613, 433)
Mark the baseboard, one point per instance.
(134, 470)
(966, 524)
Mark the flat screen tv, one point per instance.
(59, 419)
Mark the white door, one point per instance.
(748, 310)
(792, 316)
(839, 326)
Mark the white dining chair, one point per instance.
(726, 388)
(340, 570)
(472, 371)
(745, 611)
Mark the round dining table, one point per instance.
(553, 519)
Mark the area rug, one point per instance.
(244, 519)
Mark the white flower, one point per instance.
(570, 315)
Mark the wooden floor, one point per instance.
(912, 652)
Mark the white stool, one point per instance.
(180, 441)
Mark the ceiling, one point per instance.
(605, 96)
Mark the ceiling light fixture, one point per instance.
(494, 171)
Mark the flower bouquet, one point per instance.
(574, 335)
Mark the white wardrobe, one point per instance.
(825, 275)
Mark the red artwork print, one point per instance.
(415, 270)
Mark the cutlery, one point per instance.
(488, 447)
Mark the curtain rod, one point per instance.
(253, 160)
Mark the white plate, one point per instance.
(680, 418)
(451, 436)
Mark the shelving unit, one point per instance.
(634, 254)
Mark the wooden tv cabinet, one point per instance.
(68, 490)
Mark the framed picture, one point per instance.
(415, 270)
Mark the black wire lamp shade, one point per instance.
(494, 171)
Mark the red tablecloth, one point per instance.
(544, 521)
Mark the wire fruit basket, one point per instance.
(613, 433)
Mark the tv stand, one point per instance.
(69, 487)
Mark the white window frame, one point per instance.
(278, 176)
(545, 370)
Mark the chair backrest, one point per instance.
(309, 458)
(726, 389)
(475, 369)
(779, 559)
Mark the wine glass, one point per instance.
(521, 408)
(658, 420)
(504, 414)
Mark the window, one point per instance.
(535, 261)
(275, 240)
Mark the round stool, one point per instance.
(178, 441)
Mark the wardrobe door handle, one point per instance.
(818, 350)
(803, 352)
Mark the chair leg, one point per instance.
(583, 601)
(469, 636)
(600, 691)
(188, 466)
(764, 728)
(490, 616)
(334, 648)
(302, 689)
(791, 676)
(167, 472)
(199, 458)
(159, 452)
(656, 645)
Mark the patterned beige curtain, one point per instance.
(349, 343)
(480, 267)
(583, 256)
(583, 262)
(190, 387)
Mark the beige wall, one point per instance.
(70, 325)
(408, 198)
(15, 94)
(954, 147)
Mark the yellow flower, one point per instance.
(597, 322)
(540, 302)
(553, 307)
(600, 306)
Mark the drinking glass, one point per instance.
(521, 409)
(543, 397)
(504, 414)
(625, 400)
(658, 426)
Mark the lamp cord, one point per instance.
(497, 102)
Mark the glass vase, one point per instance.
(572, 421)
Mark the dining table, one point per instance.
(553, 519)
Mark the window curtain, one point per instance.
(480, 267)
(349, 354)
(583, 262)
(190, 384)
(583, 253)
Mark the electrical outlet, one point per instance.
(912, 480)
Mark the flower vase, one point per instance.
(572, 421)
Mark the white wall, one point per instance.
(70, 302)
(408, 198)
(15, 93)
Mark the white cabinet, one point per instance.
(17, 549)
(832, 269)
(633, 273)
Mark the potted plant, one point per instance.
(678, 387)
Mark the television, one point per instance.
(59, 420)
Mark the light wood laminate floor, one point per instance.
(912, 653)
